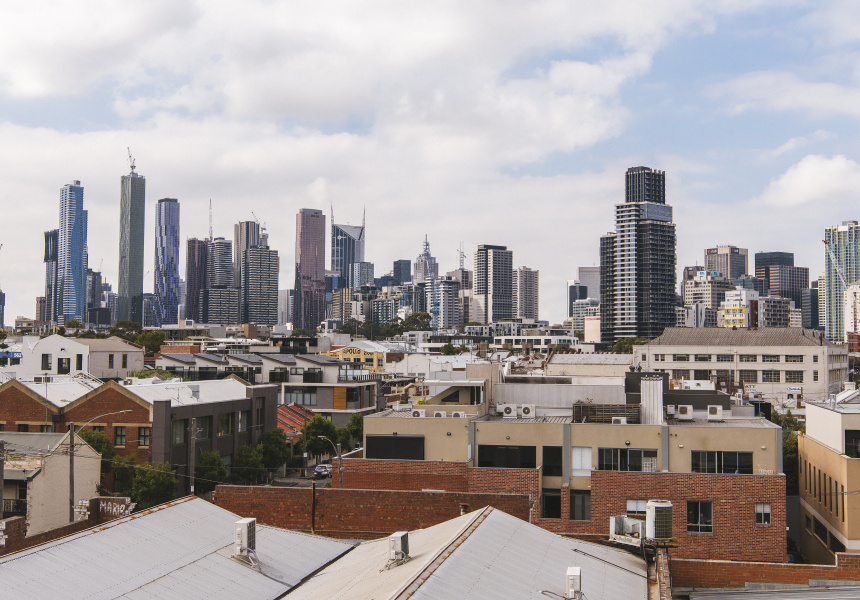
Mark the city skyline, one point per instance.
(469, 134)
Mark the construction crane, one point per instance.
(844, 284)
(210, 219)
(130, 159)
(462, 256)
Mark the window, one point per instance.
(400, 447)
(100, 428)
(64, 366)
(819, 530)
(580, 461)
(180, 426)
(762, 513)
(507, 457)
(23, 428)
(259, 418)
(550, 504)
(680, 374)
(46, 362)
(636, 508)
(204, 428)
(110, 361)
(244, 417)
(808, 523)
(306, 396)
(125, 361)
(794, 358)
(770, 358)
(815, 376)
(143, 436)
(722, 462)
(749, 357)
(815, 358)
(626, 459)
(701, 374)
(119, 436)
(770, 376)
(45, 428)
(681, 357)
(746, 376)
(794, 376)
(699, 517)
(580, 505)
(724, 358)
(835, 545)
(225, 424)
(2, 427)
(79, 362)
(703, 358)
(552, 461)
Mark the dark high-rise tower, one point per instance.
(51, 241)
(259, 297)
(196, 255)
(347, 248)
(492, 286)
(309, 305)
(245, 235)
(72, 255)
(132, 210)
(402, 272)
(166, 275)
(783, 278)
(637, 261)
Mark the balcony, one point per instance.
(276, 376)
(14, 508)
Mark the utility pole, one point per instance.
(2, 472)
(193, 445)
(72, 472)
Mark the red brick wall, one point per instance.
(17, 406)
(107, 400)
(373, 474)
(357, 513)
(724, 573)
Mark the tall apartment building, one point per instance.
(361, 273)
(220, 306)
(347, 248)
(464, 278)
(259, 289)
(196, 259)
(402, 271)
(245, 235)
(219, 264)
(589, 277)
(132, 213)
(731, 262)
(52, 238)
(809, 307)
(166, 273)
(708, 288)
(426, 268)
(737, 306)
(822, 300)
(844, 242)
(784, 279)
(285, 306)
(310, 269)
(525, 293)
(492, 290)
(580, 309)
(72, 254)
(447, 290)
(637, 261)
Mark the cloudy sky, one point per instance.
(477, 122)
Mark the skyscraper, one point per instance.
(245, 235)
(285, 306)
(309, 305)
(166, 274)
(784, 279)
(844, 242)
(219, 264)
(347, 248)
(72, 254)
(525, 293)
(259, 296)
(402, 272)
(51, 289)
(196, 255)
(492, 290)
(426, 268)
(637, 261)
(732, 262)
(132, 211)
(361, 273)
(590, 278)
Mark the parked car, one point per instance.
(322, 471)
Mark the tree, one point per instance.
(147, 373)
(248, 468)
(274, 449)
(344, 438)
(74, 324)
(123, 475)
(153, 484)
(316, 427)
(417, 321)
(101, 444)
(209, 471)
(3, 334)
(790, 461)
(91, 335)
(127, 330)
(304, 333)
(625, 345)
(150, 340)
(450, 349)
(356, 426)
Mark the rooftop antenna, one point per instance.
(130, 159)
(210, 219)
(462, 256)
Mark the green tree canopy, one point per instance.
(153, 484)
(316, 427)
(101, 444)
(274, 449)
(304, 333)
(625, 345)
(150, 340)
(73, 324)
(209, 470)
(127, 330)
(248, 467)
(356, 426)
(790, 461)
(417, 321)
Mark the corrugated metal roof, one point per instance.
(27, 443)
(721, 336)
(287, 359)
(253, 359)
(542, 419)
(106, 345)
(179, 550)
(182, 357)
(179, 392)
(62, 391)
(591, 359)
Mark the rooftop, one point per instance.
(180, 393)
(63, 390)
(106, 345)
(721, 336)
(591, 359)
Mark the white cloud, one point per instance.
(816, 182)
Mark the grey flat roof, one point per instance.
(591, 359)
(756, 422)
(177, 550)
(253, 359)
(29, 443)
(287, 359)
(722, 336)
(186, 358)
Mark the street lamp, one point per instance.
(339, 460)
(72, 459)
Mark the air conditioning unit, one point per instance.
(508, 411)
(398, 546)
(685, 412)
(245, 540)
(715, 412)
(658, 520)
(419, 413)
(439, 414)
(458, 414)
(399, 406)
(619, 420)
(670, 410)
(574, 582)
(528, 411)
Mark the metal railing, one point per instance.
(14, 508)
